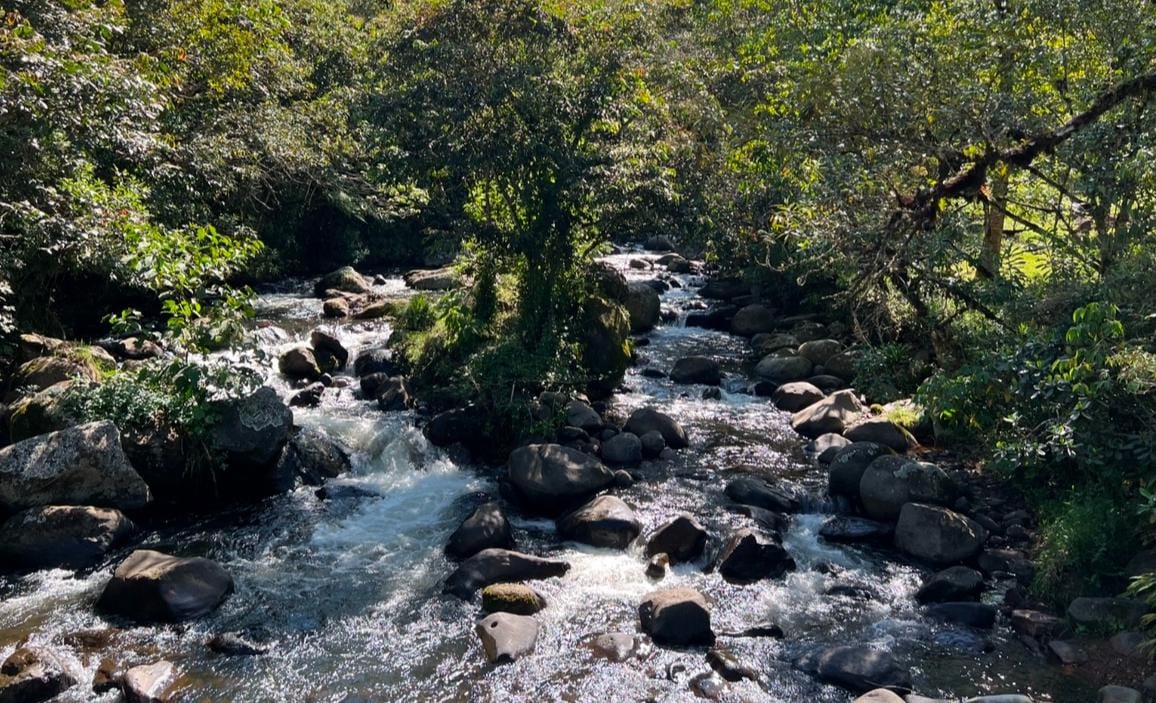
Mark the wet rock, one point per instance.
(678, 617)
(728, 665)
(748, 557)
(890, 482)
(793, 397)
(507, 637)
(235, 644)
(148, 683)
(465, 425)
(133, 348)
(827, 383)
(299, 362)
(832, 414)
(977, 615)
(485, 528)
(1118, 694)
(372, 361)
(657, 567)
(373, 384)
(515, 598)
(441, 279)
(605, 521)
(937, 535)
(314, 457)
(107, 677)
(861, 669)
(624, 449)
(1067, 653)
(83, 465)
(853, 530)
(784, 369)
(764, 629)
(820, 351)
(551, 478)
(491, 566)
(615, 646)
(394, 396)
(309, 397)
(775, 522)
(879, 695)
(848, 466)
(1002, 698)
(568, 435)
(329, 350)
(652, 444)
(643, 307)
(251, 432)
(374, 310)
(696, 369)
(60, 536)
(33, 674)
(1038, 625)
(882, 432)
(753, 491)
(150, 586)
(335, 308)
(646, 420)
(1105, 613)
(956, 583)
(717, 318)
(753, 319)
(826, 447)
(579, 414)
(682, 539)
(345, 279)
(623, 479)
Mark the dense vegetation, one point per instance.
(971, 183)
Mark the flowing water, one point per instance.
(347, 591)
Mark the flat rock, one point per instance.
(831, 414)
(861, 669)
(753, 491)
(977, 615)
(880, 431)
(491, 566)
(148, 683)
(516, 598)
(1106, 612)
(851, 530)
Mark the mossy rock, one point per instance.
(40, 413)
(515, 598)
(605, 345)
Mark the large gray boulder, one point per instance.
(151, 587)
(784, 369)
(623, 449)
(579, 414)
(345, 279)
(646, 420)
(491, 566)
(753, 319)
(861, 669)
(313, 456)
(485, 528)
(252, 431)
(61, 536)
(82, 465)
(831, 414)
(892, 481)
(433, 279)
(793, 397)
(605, 521)
(678, 617)
(881, 431)
(696, 369)
(643, 306)
(937, 535)
(551, 478)
(507, 637)
(848, 466)
(820, 351)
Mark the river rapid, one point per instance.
(347, 591)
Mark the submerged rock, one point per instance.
(150, 587)
(977, 615)
(696, 369)
(678, 617)
(491, 566)
(34, 674)
(861, 668)
(851, 530)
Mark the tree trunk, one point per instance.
(991, 256)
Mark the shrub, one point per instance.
(1084, 542)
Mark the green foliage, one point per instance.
(1084, 542)
(885, 372)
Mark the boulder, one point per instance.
(1008, 561)
(551, 478)
(769, 343)
(861, 669)
(956, 583)
(394, 395)
(516, 598)
(83, 465)
(236, 644)
(827, 383)
(491, 566)
(45, 371)
(753, 319)
(652, 444)
(299, 362)
(820, 351)
(891, 481)
(682, 539)
(605, 521)
(748, 557)
(978, 615)
(460, 425)
(623, 449)
(579, 414)
(784, 369)
(848, 466)
(852, 530)
(441, 279)
(375, 361)
(250, 432)
(843, 365)
(724, 289)
(1067, 653)
(882, 432)
(616, 646)
(643, 307)
(793, 397)
(148, 683)
(40, 413)
(937, 535)
(1106, 613)
(336, 308)
(728, 665)
(717, 318)
(604, 329)
(1129, 644)
(832, 414)
(678, 617)
(753, 491)
(696, 369)
(485, 528)
(345, 279)
(61, 536)
(313, 456)
(879, 695)
(1037, 625)
(330, 352)
(826, 448)
(151, 587)
(507, 637)
(646, 420)
(308, 397)
(34, 674)
(375, 310)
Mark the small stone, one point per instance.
(235, 644)
(657, 566)
(615, 646)
(148, 683)
(507, 637)
(515, 598)
(728, 665)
